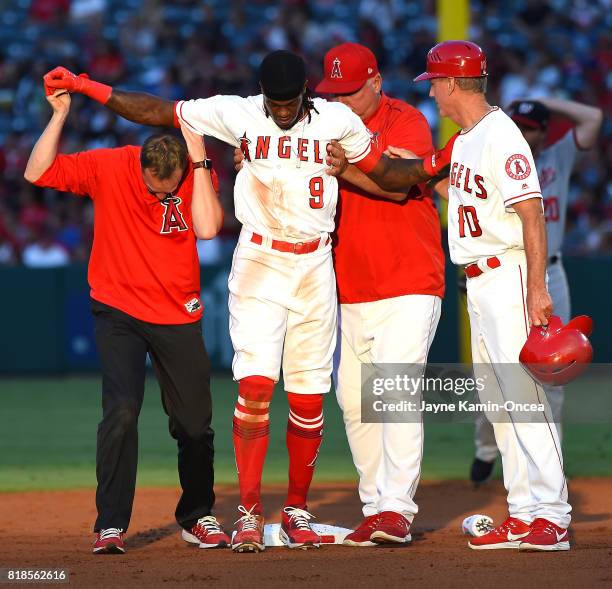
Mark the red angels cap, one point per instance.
(347, 68)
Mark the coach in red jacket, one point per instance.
(390, 274)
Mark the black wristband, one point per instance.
(206, 164)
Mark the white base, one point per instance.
(329, 534)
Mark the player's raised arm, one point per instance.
(138, 107)
(588, 119)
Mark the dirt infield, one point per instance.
(53, 530)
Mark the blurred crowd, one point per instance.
(197, 48)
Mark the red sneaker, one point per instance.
(545, 536)
(295, 530)
(207, 533)
(249, 533)
(392, 527)
(109, 541)
(360, 536)
(507, 535)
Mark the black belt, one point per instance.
(553, 260)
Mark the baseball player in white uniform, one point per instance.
(282, 286)
(554, 164)
(496, 232)
(387, 456)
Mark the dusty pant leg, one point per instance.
(259, 284)
(310, 340)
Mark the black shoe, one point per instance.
(481, 471)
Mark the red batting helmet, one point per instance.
(455, 59)
(557, 354)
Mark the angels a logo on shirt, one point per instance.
(173, 218)
(517, 167)
(336, 72)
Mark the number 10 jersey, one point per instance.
(492, 169)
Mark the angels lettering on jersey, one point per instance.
(467, 180)
(284, 147)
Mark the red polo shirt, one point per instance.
(144, 259)
(382, 248)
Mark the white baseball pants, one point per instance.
(530, 451)
(283, 311)
(486, 448)
(387, 456)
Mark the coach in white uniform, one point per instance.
(554, 165)
(496, 232)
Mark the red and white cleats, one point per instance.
(109, 541)
(207, 533)
(391, 528)
(295, 529)
(545, 536)
(360, 536)
(249, 533)
(509, 534)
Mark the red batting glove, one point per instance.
(48, 89)
(434, 164)
(60, 77)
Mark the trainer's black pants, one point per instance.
(182, 368)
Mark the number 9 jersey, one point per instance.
(492, 169)
(283, 190)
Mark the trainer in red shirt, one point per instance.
(143, 260)
(390, 273)
(150, 204)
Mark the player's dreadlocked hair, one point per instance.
(309, 103)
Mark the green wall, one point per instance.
(47, 328)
